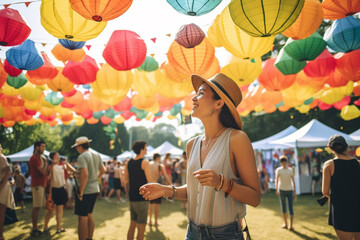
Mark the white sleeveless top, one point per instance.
(205, 205)
(58, 177)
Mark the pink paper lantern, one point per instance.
(189, 35)
(81, 72)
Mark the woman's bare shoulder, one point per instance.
(239, 136)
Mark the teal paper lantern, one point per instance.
(110, 113)
(54, 98)
(25, 56)
(287, 65)
(149, 65)
(305, 49)
(140, 114)
(16, 82)
(175, 109)
(194, 7)
(98, 115)
(343, 35)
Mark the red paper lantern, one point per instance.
(125, 50)
(272, 79)
(322, 66)
(189, 35)
(43, 74)
(69, 93)
(81, 72)
(124, 105)
(342, 103)
(13, 28)
(11, 70)
(105, 120)
(323, 106)
(348, 65)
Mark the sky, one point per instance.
(148, 18)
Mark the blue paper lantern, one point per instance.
(71, 44)
(25, 56)
(343, 35)
(54, 98)
(194, 7)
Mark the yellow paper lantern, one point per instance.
(350, 112)
(142, 102)
(111, 86)
(265, 18)
(155, 108)
(172, 89)
(79, 121)
(296, 94)
(30, 91)
(238, 42)
(308, 21)
(242, 71)
(47, 111)
(330, 95)
(60, 83)
(214, 33)
(10, 91)
(189, 61)
(119, 119)
(61, 21)
(303, 108)
(95, 104)
(145, 83)
(31, 122)
(34, 105)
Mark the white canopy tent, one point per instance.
(355, 135)
(24, 155)
(102, 156)
(265, 144)
(313, 134)
(166, 147)
(126, 154)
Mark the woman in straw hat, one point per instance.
(341, 185)
(222, 176)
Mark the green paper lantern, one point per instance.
(149, 65)
(305, 49)
(110, 113)
(98, 115)
(287, 65)
(175, 109)
(16, 82)
(54, 98)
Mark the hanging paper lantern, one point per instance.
(243, 71)
(92, 120)
(305, 49)
(3, 75)
(111, 86)
(69, 93)
(13, 28)
(332, 95)
(265, 18)
(348, 65)
(95, 104)
(335, 9)
(9, 90)
(98, 114)
(142, 102)
(125, 50)
(30, 92)
(343, 35)
(173, 74)
(172, 89)
(272, 79)
(43, 74)
(342, 103)
(308, 21)
(110, 113)
(356, 89)
(60, 83)
(189, 35)
(145, 83)
(194, 7)
(296, 94)
(63, 54)
(236, 41)
(189, 61)
(25, 56)
(322, 66)
(61, 21)
(214, 33)
(100, 10)
(287, 65)
(81, 72)
(16, 82)
(105, 120)
(124, 105)
(71, 45)
(336, 79)
(11, 70)
(149, 65)
(54, 98)
(350, 112)
(213, 69)
(316, 82)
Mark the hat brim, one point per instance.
(197, 80)
(90, 140)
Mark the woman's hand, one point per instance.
(207, 177)
(152, 191)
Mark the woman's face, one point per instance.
(203, 102)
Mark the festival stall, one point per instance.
(24, 155)
(164, 148)
(311, 136)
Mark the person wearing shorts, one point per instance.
(38, 171)
(89, 168)
(117, 183)
(137, 173)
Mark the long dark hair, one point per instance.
(225, 116)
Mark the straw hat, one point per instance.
(226, 88)
(81, 140)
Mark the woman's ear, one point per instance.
(220, 103)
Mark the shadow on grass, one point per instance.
(327, 235)
(158, 235)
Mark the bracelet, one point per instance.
(228, 191)
(175, 192)
(221, 184)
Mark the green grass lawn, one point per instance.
(112, 221)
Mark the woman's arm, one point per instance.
(277, 183)
(6, 175)
(327, 171)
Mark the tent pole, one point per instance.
(297, 173)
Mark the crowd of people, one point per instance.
(215, 179)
